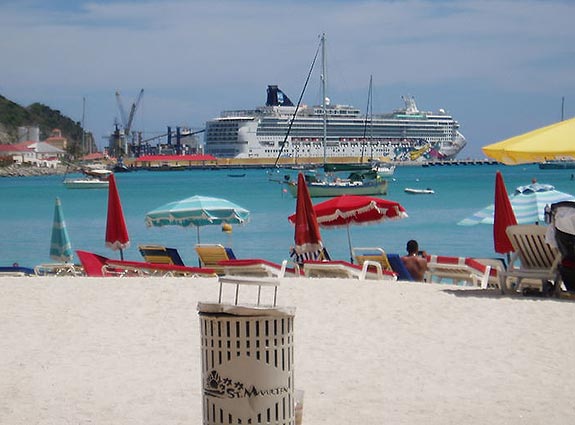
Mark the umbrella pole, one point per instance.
(198, 239)
(121, 254)
(349, 244)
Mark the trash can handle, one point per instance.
(245, 280)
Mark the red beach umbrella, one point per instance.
(117, 237)
(356, 209)
(502, 217)
(307, 237)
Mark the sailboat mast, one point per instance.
(324, 96)
(368, 116)
(84, 125)
(371, 117)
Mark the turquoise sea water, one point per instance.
(27, 207)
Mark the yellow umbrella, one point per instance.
(555, 141)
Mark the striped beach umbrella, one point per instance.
(197, 211)
(528, 202)
(60, 246)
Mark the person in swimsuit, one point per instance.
(415, 261)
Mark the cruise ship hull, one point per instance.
(285, 132)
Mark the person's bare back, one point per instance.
(415, 263)
(416, 266)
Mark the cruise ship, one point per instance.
(281, 130)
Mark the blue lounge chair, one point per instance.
(16, 271)
(159, 254)
(397, 265)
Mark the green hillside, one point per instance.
(46, 119)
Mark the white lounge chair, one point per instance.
(457, 269)
(258, 267)
(342, 269)
(533, 260)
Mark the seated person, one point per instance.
(415, 261)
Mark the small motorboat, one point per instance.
(412, 191)
(93, 179)
(86, 183)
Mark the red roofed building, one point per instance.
(32, 152)
(57, 140)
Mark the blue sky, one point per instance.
(499, 67)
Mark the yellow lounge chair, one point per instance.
(377, 255)
(159, 254)
(211, 254)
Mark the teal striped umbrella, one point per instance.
(60, 246)
(528, 204)
(197, 211)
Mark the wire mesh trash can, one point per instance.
(247, 363)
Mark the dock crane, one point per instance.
(127, 119)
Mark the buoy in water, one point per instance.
(226, 228)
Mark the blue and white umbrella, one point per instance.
(60, 246)
(197, 211)
(528, 204)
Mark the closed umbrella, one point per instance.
(502, 218)
(308, 243)
(528, 204)
(60, 246)
(555, 141)
(344, 210)
(117, 237)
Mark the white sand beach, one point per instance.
(127, 351)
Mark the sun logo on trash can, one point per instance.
(214, 384)
(217, 386)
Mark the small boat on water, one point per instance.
(384, 170)
(325, 187)
(86, 183)
(412, 191)
(237, 175)
(93, 179)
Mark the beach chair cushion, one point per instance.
(100, 266)
(92, 263)
(16, 271)
(211, 254)
(159, 254)
(398, 266)
(132, 268)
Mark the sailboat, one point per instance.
(93, 178)
(363, 179)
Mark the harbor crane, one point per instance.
(128, 119)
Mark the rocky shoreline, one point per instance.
(28, 171)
